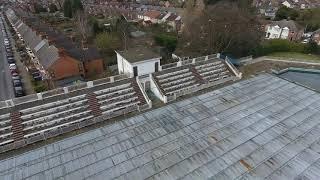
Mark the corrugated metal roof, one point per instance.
(264, 127)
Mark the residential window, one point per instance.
(268, 35)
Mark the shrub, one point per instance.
(281, 45)
(40, 87)
(167, 41)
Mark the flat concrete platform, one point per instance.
(311, 80)
(264, 127)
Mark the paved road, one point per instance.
(6, 88)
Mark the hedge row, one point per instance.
(280, 45)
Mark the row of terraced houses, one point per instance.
(57, 56)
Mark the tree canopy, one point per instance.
(167, 41)
(108, 42)
(221, 28)
(286, 13)
(310, 18)
(71, 7)
(76, 6)
(67, 8)
(38, 8)
(53, 8)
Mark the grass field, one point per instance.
(295, 56)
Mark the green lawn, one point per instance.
(295, 56)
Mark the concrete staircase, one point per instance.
(16, 123)
(138, 91)
(94, 106)
(197, 75)
(157, 82)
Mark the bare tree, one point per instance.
(83, 26)
(123, 30)
(60, 3)
(224, 27)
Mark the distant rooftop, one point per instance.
(264, 127)
(138, 54)
(292, 25)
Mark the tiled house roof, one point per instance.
(33, 29)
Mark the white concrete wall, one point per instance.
(146, 18)
(274, 32)
(285, 33)
(277, 32)
(147, 67)
(156, 91)
(124, 67)
(119, 63)
(144, 67)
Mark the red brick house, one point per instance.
(60, 57)
(64, 67)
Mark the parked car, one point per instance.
(11, 60)
(16, 77)
(13, 70)
(17, 83)
(12, 66)
(37, 76)
(9, 55)
(18, 91)
(15, 74)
